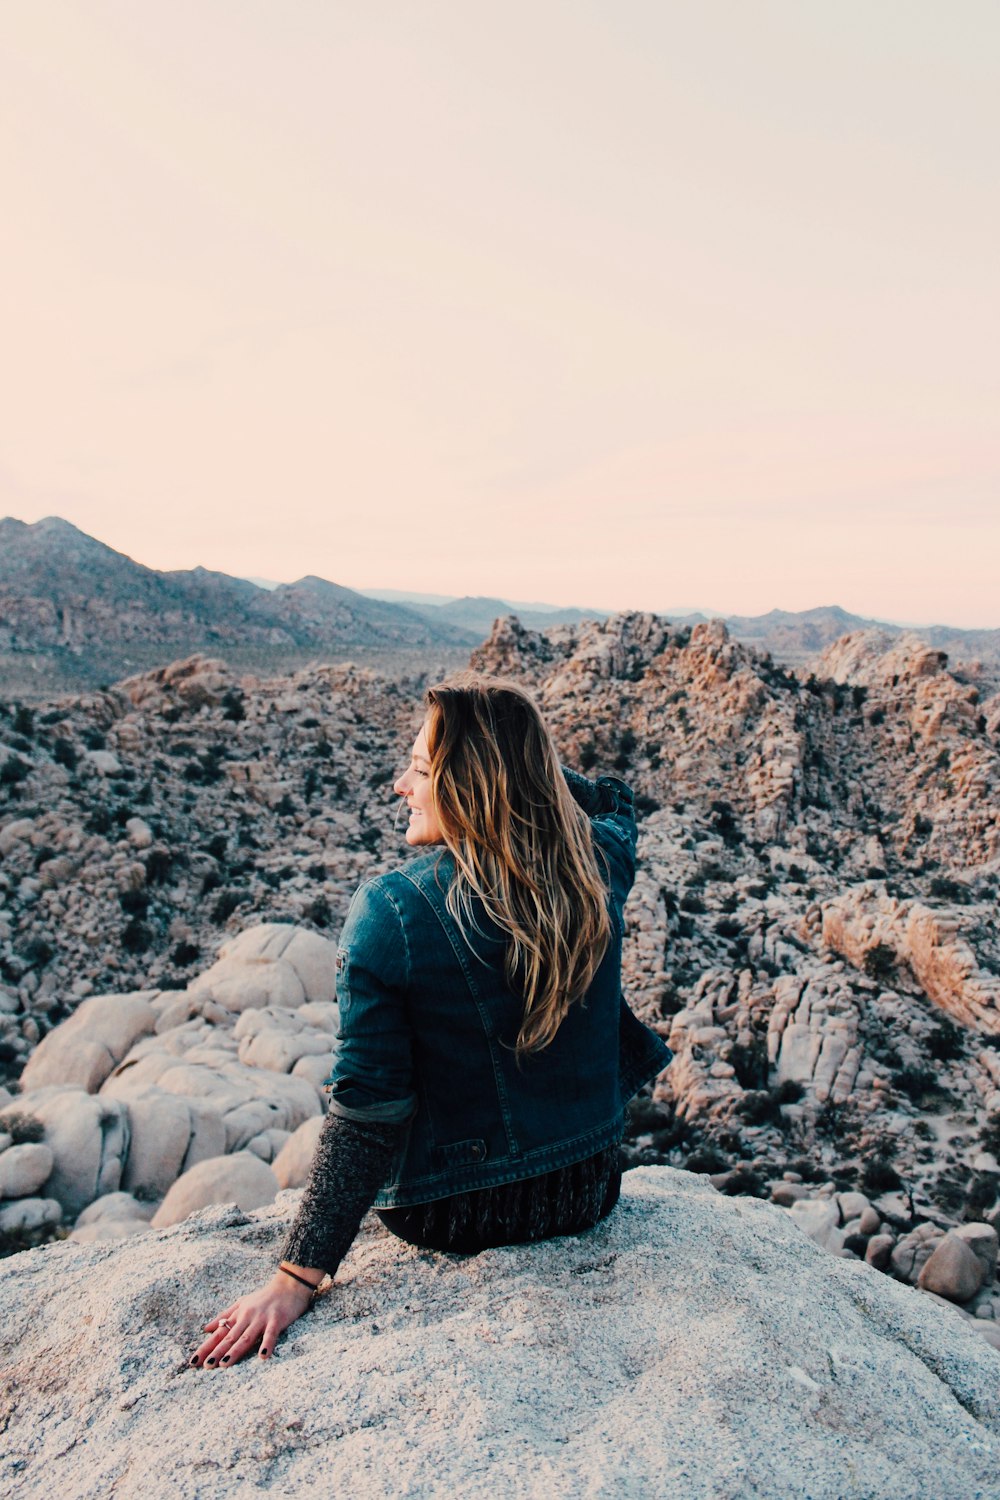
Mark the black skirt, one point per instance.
(565, 1201)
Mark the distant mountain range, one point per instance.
(74, 613)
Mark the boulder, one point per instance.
(25, 1215)
(818, 1218)
(913, 1250)
(953, 1270)
(113, 1217)
(241, 1178)
(85, 1048)
(169, 1134)
(88, 1136)
(878, 1252)
(24, 1169)
(982, 1240)
(690, 1345)
(292, 1164)
(272, 964)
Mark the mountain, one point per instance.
(75, 612)
(478, 614)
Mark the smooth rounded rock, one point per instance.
(953, 1270)
(292, 1164)
(85, 1048)
(25, 1215)
(879, 1251)
(241, 1178)
(982, 1240)
(25, 1169)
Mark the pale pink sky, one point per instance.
(630, 305)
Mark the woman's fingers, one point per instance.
(270, 1337)
(226, 1313)
(232, 1353)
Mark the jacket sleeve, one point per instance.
(610, 805)
(372, 1079)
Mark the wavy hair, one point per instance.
(521, 844)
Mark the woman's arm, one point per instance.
(371, 1099)
(351, 1163)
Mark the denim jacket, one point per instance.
(428, 1025)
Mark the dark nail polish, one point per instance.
(264, 1353)
(224, 1360)
(210, 1361)
(194, 1359)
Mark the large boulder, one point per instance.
(169, 1135)
(691, 1345)
(241, 1178)
(88, 1136)
(952, 1270)
(85, 1048)
(273, 963)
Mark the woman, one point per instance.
(486, 1054)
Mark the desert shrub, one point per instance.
(759, 1107)
(136, 937)
(728, 927)
(750, 1063)
(14, 771)
(134, 903)
(915, 1082)
(744, 1182)
(726, 826)
(159, 866)
(879, 1176)
(184, 955)
(946, 889)
(94, 740)
(318, 912)
(36, 953)
(226, 905)
(232, 707)
(24, 1129)
(989, 1135)
(946, 1042)
(692, 903)
(64, 754)
(880, 961)
(706, 1160)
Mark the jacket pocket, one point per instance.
(459, 1154)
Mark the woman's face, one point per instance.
(415, 785)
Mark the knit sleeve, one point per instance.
(352, 1162)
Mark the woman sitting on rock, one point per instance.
(486, 1054)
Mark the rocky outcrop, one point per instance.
(629, 1360)
(812, 924)
(184, 1097)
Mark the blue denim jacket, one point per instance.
(428, 1025)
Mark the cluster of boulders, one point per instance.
(956, 1263)
(141, 1108)
(812, 925)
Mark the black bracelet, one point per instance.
(302, 1281)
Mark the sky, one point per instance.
(634, 304)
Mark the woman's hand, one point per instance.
(257, 1318)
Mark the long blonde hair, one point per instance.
(521, 844)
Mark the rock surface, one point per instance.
(652, 1356)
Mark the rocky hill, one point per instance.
(73, 612)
